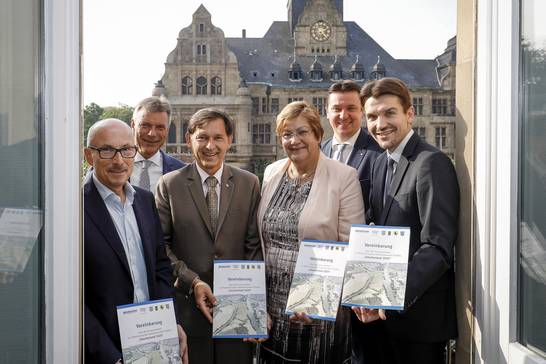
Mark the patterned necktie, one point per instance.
(388, 178)
(145, 175)
(339, 155)
(212, 202)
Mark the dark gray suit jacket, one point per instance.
(424, 195)
(191, 245)
(365, 152)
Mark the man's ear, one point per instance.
(133, 124)
(410, 114)
(88, 153)
(187, 136)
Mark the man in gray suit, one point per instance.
(413, 184)
(208, 212)
(351, 143)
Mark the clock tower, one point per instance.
(317, 27)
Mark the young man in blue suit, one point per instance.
(151, 125)
(124, 256)
(351, 143)
(413, 184)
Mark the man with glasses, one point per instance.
(151, 125)
(124, 255)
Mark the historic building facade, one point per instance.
(254, 78)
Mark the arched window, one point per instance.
(201, 49)
(316, 75)
(172, 134)
(187, 85)
(201, 85)
(216, 86)
(336, 75)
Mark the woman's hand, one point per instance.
(367, 315)
(301, 317)
(261, 340)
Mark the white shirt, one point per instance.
(397, 153)
(126, 225)
(204, 175)
(155, 170)
(349, 146)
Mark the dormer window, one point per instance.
(201, 28)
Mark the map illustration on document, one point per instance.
(241, 309)
(377, 267)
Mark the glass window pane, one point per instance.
(21, 183)
(532, 203)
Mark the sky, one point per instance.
(126, 42)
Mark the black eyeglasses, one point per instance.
(110, 153)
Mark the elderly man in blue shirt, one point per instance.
(124, 255)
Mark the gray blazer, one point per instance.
(191, 246)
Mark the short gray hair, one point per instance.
(153, 104)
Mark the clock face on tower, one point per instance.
(320, 31)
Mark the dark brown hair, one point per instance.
(203, 116)
(387, 86)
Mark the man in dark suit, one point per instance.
(351, 143)
(208, 212)
(125, 258)
(151, 125)
(415, 185)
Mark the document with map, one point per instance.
(318, 278)
(241, 310)
(19, 229)
(377, 267)
(148, 332)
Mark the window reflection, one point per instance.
(21, 217)
(532, 234)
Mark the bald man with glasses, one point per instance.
(124, 256)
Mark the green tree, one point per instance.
(122, 112)
(91, 114)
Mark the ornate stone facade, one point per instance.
(254, 78)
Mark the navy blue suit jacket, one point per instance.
(170, 164)
(365, 152)
(424, 195)
(107, 280)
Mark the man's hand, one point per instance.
(302, 317)
(183, 342)
(204, 299)
(367, 315)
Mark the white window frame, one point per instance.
(62, 138)
(496, 153)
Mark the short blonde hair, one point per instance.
(295, 109)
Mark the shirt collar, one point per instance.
(155, 159)
(204, 175)
(351, 141)
(397, 153)
(106, 192)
